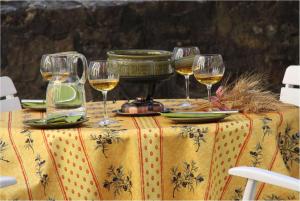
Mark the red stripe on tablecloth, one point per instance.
(273, 158)
(89, 163)
(240, 153)
(18, 156)
(281, 119)
(161, 157)
(55, 166)
(140, 156)
(270, 167)
(211, 163)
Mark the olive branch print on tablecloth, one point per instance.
(29, 140)
(266, 127)
(195, 133)
(187, 178)
(256, 155)
(289, 146)
(42, 176)
(3, 147)
(274, 197)
(118, 181)
(107, 137)
(238, 194)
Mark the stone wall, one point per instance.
(256, 36)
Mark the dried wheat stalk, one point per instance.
(246, 94)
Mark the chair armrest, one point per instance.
(7, 181)
(266, 176)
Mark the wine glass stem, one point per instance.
(187, 87)
(209, 96)
(104, 104)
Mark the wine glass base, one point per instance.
(105, 122)
(185, 104)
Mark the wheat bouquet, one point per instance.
(247, 94)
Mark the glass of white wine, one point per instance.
(104, 77)
(46, 65)
(208, 70)
(183, 59)
(45, 68)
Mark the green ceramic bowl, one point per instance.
(142, 64)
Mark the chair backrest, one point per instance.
(8, 101)
(255, 175)
(291, 92)
(7, 181)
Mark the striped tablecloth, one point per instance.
(146, 157)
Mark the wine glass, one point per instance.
(208, 70)
(183, 59)
(104, 77)
(45, 67)
(46, 64)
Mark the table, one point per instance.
(147, 157)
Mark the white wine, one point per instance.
(104, 84)
(61, 76)
(208, 79)
(184, 70)
(47, 75)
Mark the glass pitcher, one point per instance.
(65, 91)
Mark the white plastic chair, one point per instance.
(7, 181)
(10, 103)
(255, 175)
(291, 79)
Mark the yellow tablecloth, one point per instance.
(147, 157)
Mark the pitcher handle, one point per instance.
(85, 66)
